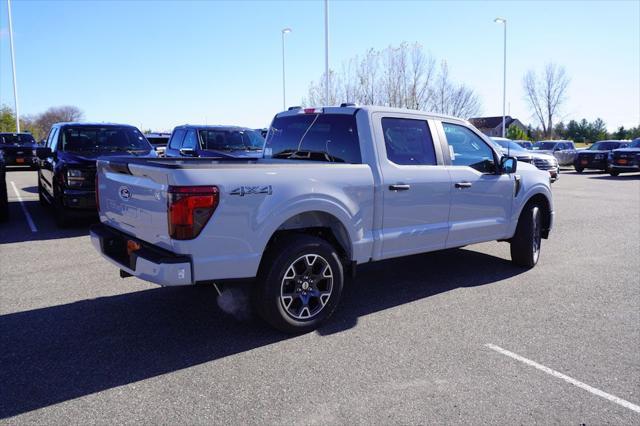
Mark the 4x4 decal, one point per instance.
(252, 190)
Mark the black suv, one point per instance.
(4, 201)
(597, 156)
(215, 141)
(625, 160)
(66, 179)
(19, 149)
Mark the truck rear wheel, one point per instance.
(299, 284)
(526, 243)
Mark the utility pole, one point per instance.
(13, 65)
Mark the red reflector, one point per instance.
(132, 246)
(190, 208)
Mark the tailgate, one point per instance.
(133, 199)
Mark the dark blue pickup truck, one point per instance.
(67, 169)
(215, 141)
(18, 149)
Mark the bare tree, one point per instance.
(546, 94)
(403, 76)
(452, 99)
(41, 123)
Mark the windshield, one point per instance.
(508, 145)
(545, 145)
(17, 139)
(103, 139)
(317, 137)
(635, 144)
(606, 146)
(230, 139)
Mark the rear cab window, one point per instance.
(315, 137)
(408, 141)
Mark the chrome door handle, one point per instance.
(463, 185)
(399, 187)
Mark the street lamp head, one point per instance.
(500, 20)
(286, 30)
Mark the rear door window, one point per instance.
(176, 139)
(318, 137)
(408, 141)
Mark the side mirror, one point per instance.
(508, 164)
(188, 152)
(43, 153)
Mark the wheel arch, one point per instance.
(545, 205)
(320, 224)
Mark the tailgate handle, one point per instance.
(399, 187)
(463, 185)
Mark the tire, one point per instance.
(579, 169)
(4, 204)
(299, 284)
(41, 197)
(60, 213)
(612, 173)
(526, 243)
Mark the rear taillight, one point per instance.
(190, 208)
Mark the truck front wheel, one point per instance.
(299, 284)
(526, 243)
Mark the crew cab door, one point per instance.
(46, 167)
(416, 186)
(481, 198)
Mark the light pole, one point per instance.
(284, 93)
(504, 73)
(326, 52)
(13, 65)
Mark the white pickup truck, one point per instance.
(337, 187)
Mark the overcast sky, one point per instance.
(159, 64)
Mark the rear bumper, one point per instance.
(149, 263)
(21, 160)
(591, 163)
(622, 169)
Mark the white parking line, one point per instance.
(566, 378)
(24, 209)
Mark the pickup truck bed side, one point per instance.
(252, 208)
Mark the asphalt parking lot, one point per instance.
(460, 336)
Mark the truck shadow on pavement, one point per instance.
(59, 353)
(17, 228)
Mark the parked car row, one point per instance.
(612, 156)
(540, 160)
(66, 159)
